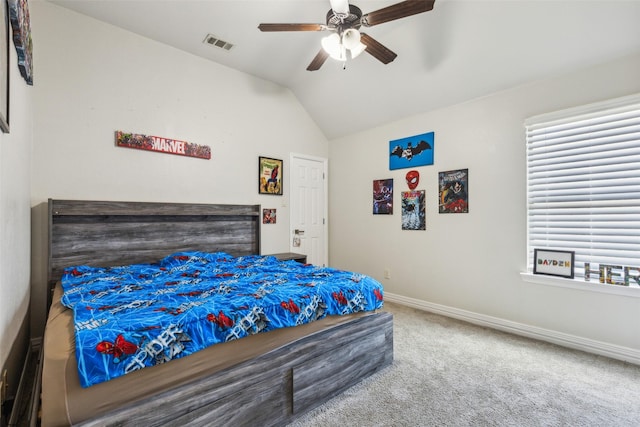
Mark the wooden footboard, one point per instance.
(274, 388)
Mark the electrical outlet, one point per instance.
(387, 273)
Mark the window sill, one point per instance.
(581, 285)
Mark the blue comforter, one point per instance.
(131, 317)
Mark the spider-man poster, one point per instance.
(454, 191)
(413, 210)
(269, 176)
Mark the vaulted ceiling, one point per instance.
(460, 50)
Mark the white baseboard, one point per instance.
(566, 340)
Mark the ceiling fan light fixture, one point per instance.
(351, 38)
(340, 54)
(337, 46)
(357, 50)
(331, 44)
(340, 7)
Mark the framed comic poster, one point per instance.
(20, 22)
(4, 70)
(269, 176)
(411, 151)
(453, 191)
(383, 197)
(413, 210)
(553, 263)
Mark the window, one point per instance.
(583, 188)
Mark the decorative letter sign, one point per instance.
(553, 263)
(614, 274)
(162, 145)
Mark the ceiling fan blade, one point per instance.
(396, 11)
(292, 27)
(318, 60)
(377, 50)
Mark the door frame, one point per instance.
(325, 214)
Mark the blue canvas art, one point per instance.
(412, 151)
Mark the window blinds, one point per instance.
(583, 188)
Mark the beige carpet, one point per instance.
(450, 373)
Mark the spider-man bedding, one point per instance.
(131, 317)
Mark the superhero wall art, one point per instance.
(383, 197)
(412, 151)
(413, 210)
(269, 176)
(453, 191)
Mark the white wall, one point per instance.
(15, 181)
(472, 261)
(94, 79)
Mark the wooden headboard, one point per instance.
(103, 233)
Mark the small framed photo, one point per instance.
(553, 263)
(269, 176)
(268, 216)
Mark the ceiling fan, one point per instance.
(344, 22)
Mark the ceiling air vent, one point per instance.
(214, 41)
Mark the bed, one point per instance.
(266, 379)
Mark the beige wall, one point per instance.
(15, 244)
(471, 263)
(94, 79)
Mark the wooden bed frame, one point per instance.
(272, 389)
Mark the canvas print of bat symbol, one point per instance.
(410, 150)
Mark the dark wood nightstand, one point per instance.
(285, 256)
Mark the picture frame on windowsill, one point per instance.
(554, 263)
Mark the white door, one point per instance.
(309, 208)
